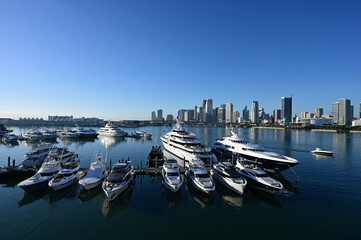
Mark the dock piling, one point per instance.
(110, 164)
(9, 161)
(13, 163)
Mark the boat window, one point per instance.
(261, 175)
(47, 174)
(233, 173)
(173, 174)
(202, 175)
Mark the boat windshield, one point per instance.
(261, 175)
(173, 174)
(202, 175)
(232, 173)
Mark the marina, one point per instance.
(295, 206)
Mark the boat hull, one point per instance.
(36, 186)
(236, 187)
(255, 184)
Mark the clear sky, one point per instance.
(123, 59)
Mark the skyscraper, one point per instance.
(160, 115)
(344, 112)
(196, 114)
(229, 112)
(169, 118)
(318, 112)
(209, 110)
(254, 113)
(221, 114)
(335, 112)
(181, 115)
(245, 113)
(351, 113)
(154, 117)
(276, 115)
(235, 116)
(286, 109)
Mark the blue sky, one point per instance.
(123, 59)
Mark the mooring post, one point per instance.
(110, 164)
(9, 161)
(184, 162)
(13, 163)
(232, 159)
(141, 165)
(156, 162)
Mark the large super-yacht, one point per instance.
(240, 147)
(187, 146)
(111, 130)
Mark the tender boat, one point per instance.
(33, 135)
(256, 177)
(226, 174)
(96, 174)
(321, 151)
(9, 138)
(171, 175)
(48, 170)
(118, 180)
(48, 135)
(111, 130)
(241, 148)
(67, 176)
(200, 178)
(35, 159)
(144, 134)
(186, 145)
(155, 157)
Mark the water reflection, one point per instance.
(288, 187)
(30, 197)
(173, 199)
(111, 208)
(264, 198)
(11, 144)
(110, 142)
(77, 142)
(205, 200)
(66, 193)
(228, 196)
(86, 195)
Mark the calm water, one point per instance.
(324, 204)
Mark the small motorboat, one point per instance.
(96, 174)
(67, 176)
(48, 135)
(321, 151)
(119, 179)
(9, 138)
(155, 157)
(171, 175)
(143, 134)
(226, 174)
(48, 170)
(35, 159)
(256, 177)
(200, 178)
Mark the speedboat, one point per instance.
(186, 145)
(85, 132)
(155, 157)
(171, 175)
(33, 135)
(48, 170)
(200, 178)
(118, 180)
(226, 174)
(49, 135)
(256, 177)
(111, 130)
(321, 151)
(241, 148)
(67, 176)
(96, 174)
(67, 133)
(36, 158)
(144, 134)
(9, 138)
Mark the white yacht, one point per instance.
(226, 174)
(63, 155)
(67, 176)
(321, 151)
(171, 175)
(186, 145)
(36, 158)
(240, 147)
(33, 135)
(9, 137)
(48, 135)
(256, 177)
(96, 174)
(200, 178)
(118, 180)
(111, 130)
(67, 133)
(85, 132)
(48, 170)
(144, 134)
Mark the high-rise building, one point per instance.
(160, 115)
(245, 113)
(196, 114)
(344, 112)
(351, 113)
(169, 118)
(335, 112)
(186, 116)
(181, 115)
(229, 112)
(235, 116)
(200, 114)
(318, 112)
(309, 115)
(209, 110)
(254, 113)
(154, 116)
(304, 114)
(261, 114)
(286, 109)
(276, 115)
(221, 115)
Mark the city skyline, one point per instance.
(122, 60)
